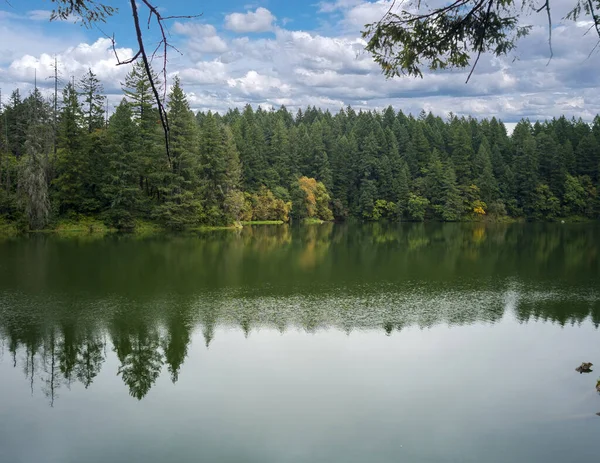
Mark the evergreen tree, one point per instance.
(251, 145)
(588, 156)
(279, 152)
(148, 152)
(419, 156)
(319, 162)
(17, 119)
(442, 191)
(525, 167)
(72, 164)
(220, 169)
(403, 190)
(484, 175)
(180, 206)
(93, 101)
(121, 183)
(462, 154)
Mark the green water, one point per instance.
(412, 343)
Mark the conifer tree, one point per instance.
(90, 89)
(484, 174)
(180, 206)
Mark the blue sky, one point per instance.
(299, 53)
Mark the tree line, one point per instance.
(67, 158)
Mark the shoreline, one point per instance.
(90, 226)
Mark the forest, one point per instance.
(65, 157)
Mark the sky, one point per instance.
(298, 53)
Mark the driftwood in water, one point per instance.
(585, 367)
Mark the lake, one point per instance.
(325, 343)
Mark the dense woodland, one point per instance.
(65, 158)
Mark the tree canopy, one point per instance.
(413, 35)
(255, 164)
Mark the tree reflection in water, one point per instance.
(144, 299)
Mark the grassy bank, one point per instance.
(207, 228)
(81, 225)
(312, 221)
(93, 227)
(262, 222)
(7, 229)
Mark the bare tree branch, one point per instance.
(479, 44)
(164, 120)
(596, 23)
(164, 44)
(91, 12)
(546, 6)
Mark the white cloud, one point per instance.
(8, 15)
(74, 61)
(205, 72)
(212, 44)
(367, 12)
(255, 84)
(202, 38)
(260, 20)
(19, 36)
(194, 29)
(330, 7)
(39, 15)
(319, 52)
(328, 68)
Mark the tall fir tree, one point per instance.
(180, 205)
(90, 89)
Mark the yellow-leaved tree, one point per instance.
(316, 200)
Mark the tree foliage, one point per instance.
(413, 35)
(272, 165)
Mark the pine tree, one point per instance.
(72, 163)
(121, 179)
(220, 171)
(442, 191)
(279, 152)
(462, 154)
(588, 156)
(251, 145)
(17, 122)
(419, 159)
(552, 168)
(368, 195)
(149, 153)
(403, 190)
(180, 206)
(90, 89)
(525, 167)
(484, 175)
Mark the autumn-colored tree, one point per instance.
(316, 199)
(264, 205)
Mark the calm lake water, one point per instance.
(412, 343)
